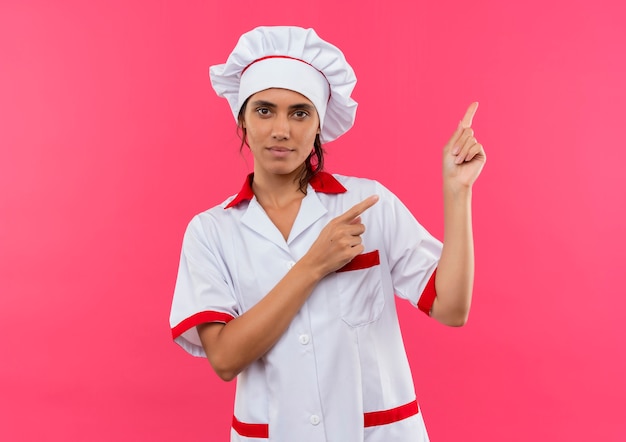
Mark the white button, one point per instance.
(304, 339)
(290, 264)
(315, 419)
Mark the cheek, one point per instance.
(311, 133)
(252, 134)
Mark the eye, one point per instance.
(263, 111)
(300, 114)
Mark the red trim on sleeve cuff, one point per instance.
(429, 294)
(200, 318)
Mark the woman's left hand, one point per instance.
(463, 156)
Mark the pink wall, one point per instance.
(111, 139)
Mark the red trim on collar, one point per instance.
(322, 182)
(245, 194)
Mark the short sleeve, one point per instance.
(413, 253)
(202, 292)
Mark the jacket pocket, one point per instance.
(360, 291)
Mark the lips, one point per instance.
(279, 151)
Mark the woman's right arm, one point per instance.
(231, 347)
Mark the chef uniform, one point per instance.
(340, 371)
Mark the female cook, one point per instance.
(289, 284)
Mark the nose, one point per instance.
(280, 128)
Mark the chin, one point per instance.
(283, 169)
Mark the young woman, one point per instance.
(289, 285)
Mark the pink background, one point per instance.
(111, 139)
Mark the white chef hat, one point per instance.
(294, 58)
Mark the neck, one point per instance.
(272, 190)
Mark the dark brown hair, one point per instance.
(313, 164)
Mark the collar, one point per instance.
(322, 182)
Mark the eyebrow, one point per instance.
(305, 106)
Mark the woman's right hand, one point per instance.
(340, 241)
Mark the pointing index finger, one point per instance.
(469, 115)
(358, 209)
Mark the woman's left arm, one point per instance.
(463, 160)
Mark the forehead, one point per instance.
(280, 96)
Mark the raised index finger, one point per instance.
(358, 209)
(469, 115)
